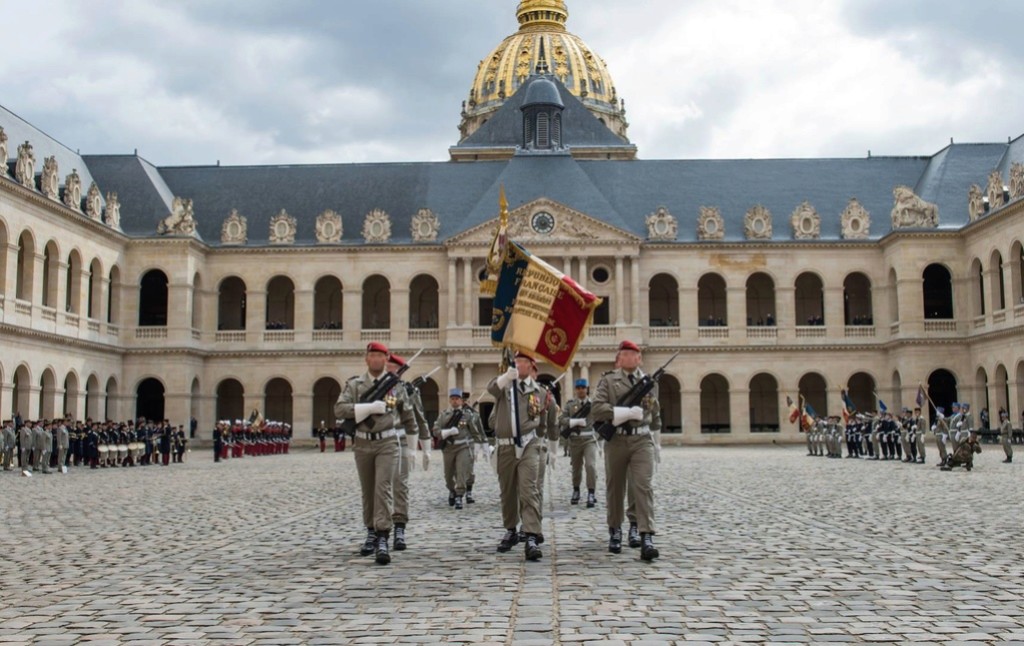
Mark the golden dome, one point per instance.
(570, 60)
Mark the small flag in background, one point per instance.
(849, 410)
(882, 408)
(919, 400)
(794, 412)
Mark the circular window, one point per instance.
(855, 225)
(711, 225)
(281, 228)
(424, 229)
(328, 229)
(661, 227)
(600, 275)
(807, 224)
(758, 225)
(377, 229)
(234, 229)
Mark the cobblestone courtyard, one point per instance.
(759, 545)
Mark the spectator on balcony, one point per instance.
(770, 320)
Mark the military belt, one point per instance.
(510, 441)
(589, 433)
(639, 430)
(383, 435)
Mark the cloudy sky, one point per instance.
(307, 81)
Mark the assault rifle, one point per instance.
(381, 387)
(582, 413)
(454, 422)
(418, 382)
(635, 396)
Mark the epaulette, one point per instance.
(607, 372)
(351, 378)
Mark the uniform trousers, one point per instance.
(940, 444)
(629, 464)
(458, 464)
(517, 482)
(400, 483)
(583, 455)
(376, 463)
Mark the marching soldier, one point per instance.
(905, 438)
(577, 424)
(8, 442)
(457, 434)
(180, 443)
(41, 450)
(26, 439)
(218, 440)
(380, 426)
(63, 441)
(1006, 435)
(941, 431)
(918, 427)
(633, 450)
(483, 448)
(549, 449)
(956, 425)
(321, 434)
(407, 454)
(519, 401)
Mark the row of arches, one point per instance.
(58, 396)
(988, 291)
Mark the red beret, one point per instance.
(523, 355)
(395, 359)
(377, 346)
(629, 345)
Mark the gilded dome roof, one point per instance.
(570, 60)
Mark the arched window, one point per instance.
(26, 267)
(51, 272)
(73, 296)
(325, 393)
(761, 300)
(20, 393)
(663, 299)
(149, 400)
(1017, 273)
(96, 289)
(71, 395)
(897, 391)
(711, 301)
(714, 404)
(982, 401)
(857, 300)
(814, 391)
(3, 258)
(47, 395)
(810, 300)
(861, 389)
(894, 298)
(153, 299)
(543, 134)
(764, 404)
(1002, 388)
(978, 291)
(92, 398)
(231, 305)
(110, 403)
(277, 397)
(376, 303)
(938, 292)
(327, 304)
(998, 282)
(942, 391)
(670, 399)
(114, 301)
(280, 304)
(230, 400)
(197, 302)
(423, 303)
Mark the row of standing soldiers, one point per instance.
(243, 438)
(41, 445)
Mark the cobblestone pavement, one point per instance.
(758, 544)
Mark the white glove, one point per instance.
(373, 408)
(934, 426)
(552, 453)
(959, 425)
(426, 455)
(480, 450)
(577, 422)
(448, 432)
(622, 414)
(656, 436)
(505, 380)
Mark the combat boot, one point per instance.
(591, 499)
(399, 537)
(634, 536)
(451, 498)
(532, 550)
(648, 551)
(381, 553)
(469, 495)
(575, 500)
(458, 502)
(510, 539)
(614, 540)
(370, 542)
(1008, 460)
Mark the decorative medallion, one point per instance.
(909, 210)
(975, 202)
(4, 154)
(49, 184)
(710, 224)
(235, 229)
(328, 227)
(73, 190)
(425, 226)
(1016, 180)
(282, 228)
(25, 168)
(181, 221)
(377, 227)
(757, 225)
(806, 222)
(113, 212)
(855, 221)
(995, 190)
(661, 225)
(94, 203)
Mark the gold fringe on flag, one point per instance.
(499, 246)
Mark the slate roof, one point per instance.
(949, 176)
(144, 196)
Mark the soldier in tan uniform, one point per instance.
(380, 425)
(549, 449)
(407, 456)
(457, 434)
(632, 451)
(518, 408)
(577, 422)
(8, 444)
(482, 449)
(1006, 435)
(941, 430)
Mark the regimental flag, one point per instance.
(921, 396)
(499, 245)
(882, 408)
(849, 410)
(794, 412)
(539, 310)
(807, 419)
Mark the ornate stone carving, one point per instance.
(94, 202)
(329, 228)
(855, 221)
(50, 184)
(909, 210)
(425, 226)
(4, 154)
(25, 168)
(995, 190)
(181, 221)
(235, 229)
(757, 225)
(710, 224)
(661, 225)
(282, 228)
(975, 202)
(73, 190)
(377, 227)
(806, 222)
(1016, 180)
(113, 212)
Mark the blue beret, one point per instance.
(581, 383)
(455, 392)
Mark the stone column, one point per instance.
(467, 379)
(11, 270)
(584, 273)
(451, 294)
(690, 411)
(785, 312)
(38, 262)
(178, 408)
(399, 314)
(256, 316)
(620, 290)
(179, 307)
(736, 309)
(451, 379)
(585, 372)
(636, 313)
(352, 312)
(304, 313)
(62, 287)
(834, 311)
(467, 292)
(302, 413)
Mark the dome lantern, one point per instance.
(542, 14)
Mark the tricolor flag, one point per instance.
(539, 310)
(794, 412)
(919, 400)
(849, 410)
